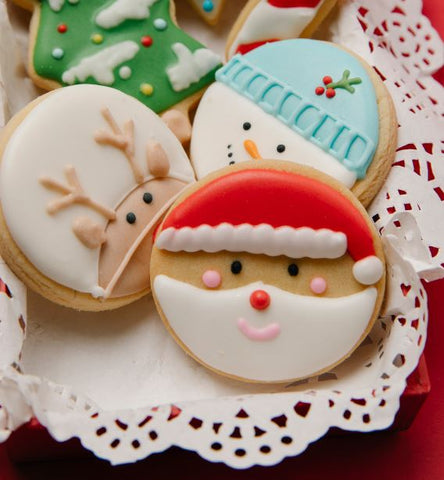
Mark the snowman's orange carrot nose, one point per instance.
(252, 150)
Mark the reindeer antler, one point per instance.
(73, 193)
(123, 141)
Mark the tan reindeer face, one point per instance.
(99, 170)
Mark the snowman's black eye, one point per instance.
(293, 269)
(246, 126)
(280, 148)
(131, 218)
(236, 267)
(147, 197)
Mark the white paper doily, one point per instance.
(122, 366)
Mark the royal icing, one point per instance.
(130, 45)
(271, 21)
(268, 330)
(93, 200)
(263, 106)
(101, 65)
(295, 337)
(120, 10)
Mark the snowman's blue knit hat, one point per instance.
(318, 90)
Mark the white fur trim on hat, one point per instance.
(262, 239)
(368, 270)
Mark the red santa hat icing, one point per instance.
(272, 212)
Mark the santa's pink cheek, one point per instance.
(318, 285)
(211, 279)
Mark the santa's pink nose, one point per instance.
(260, 300)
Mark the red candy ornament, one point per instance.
(146, 41)
(62, 28)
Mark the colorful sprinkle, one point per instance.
(146, 41)
(147, 89)
(208, 6)
(62, 28)
(160, 24)
(58, 53)
(97, 38)
(125, 72)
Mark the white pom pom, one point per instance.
(368, 270)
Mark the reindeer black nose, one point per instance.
(147, 197)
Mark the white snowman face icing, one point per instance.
(113, 151)
(228, 128)
(228, 331)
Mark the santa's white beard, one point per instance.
(304, 334)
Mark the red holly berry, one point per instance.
(327, 79)
(62, 28)
(146, 41)
(330, 93)
(319, 90)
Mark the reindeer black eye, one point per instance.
(131, 218)
(246, 126)
(147, 197)
(280, 148)
(236, 267)
(293, 269)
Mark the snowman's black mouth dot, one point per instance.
(232, 162)
(230, 155)
(131, 218)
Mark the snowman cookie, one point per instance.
(301, 100)
(264, 21)
(132, 45)
(86, 175)
(268, 272)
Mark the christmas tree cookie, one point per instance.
(209, 10)
(132, 45)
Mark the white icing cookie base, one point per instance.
(58, 132)
(218, 124)
(315, 333)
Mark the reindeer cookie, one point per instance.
(98, 171)
(268, 272)
(325, 108)
(132, 45)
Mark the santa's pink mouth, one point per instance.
(269, 332)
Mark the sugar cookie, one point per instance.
(86, 175)
(264, 21)
(325, 108)
(132, 45)
(268, 272)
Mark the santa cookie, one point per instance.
(325, 108)
(97, 170)
(264, 21)
(132, 45)
(268, 272)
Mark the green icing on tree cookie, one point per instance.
(131, 45)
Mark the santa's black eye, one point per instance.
(147, 197)
(293, 269)
(131, 218)
(280, 148)
(246, 126)
(236, 267)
